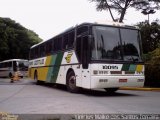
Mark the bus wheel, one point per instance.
(36, 77)
(38, 82)
(111, 90)
(71, 83)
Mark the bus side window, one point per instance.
(65, 41)
(6, 64)
(58, 44)
(36, 52)
(31, 55)
(55, 44)
(52, 49)
(48, 47)
(82, 29)
(42, 50)
(2, 65)
(71, 39)
(79, 48)
(14, 66)
(9, 64)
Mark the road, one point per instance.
(25, 97)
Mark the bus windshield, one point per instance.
(118, 44)
(23, 65)
(20, 65)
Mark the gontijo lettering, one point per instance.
(39, 62)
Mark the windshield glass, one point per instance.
(23, 65)
(130, 44)
(111, 43)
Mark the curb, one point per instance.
(140, 89)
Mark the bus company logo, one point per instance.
(110, 67)
(68, 57)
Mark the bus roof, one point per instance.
(108, 23)
(14, 60)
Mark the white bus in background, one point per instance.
(9, 67)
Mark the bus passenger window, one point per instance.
(48, 47)
(56, 44)
(65, 41)
(71, 39)
(42, 50)
(53, 45)
(79, 48)
(82, 29)
(36, 52)
(9, 64)
(31, 55)
(59, 43)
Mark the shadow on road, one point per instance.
(87, 92)
(98, 93)
(95, 93)
(22, 81)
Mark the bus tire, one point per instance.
(38, 82)
(36, 77)
(111, 90)
(71, 83)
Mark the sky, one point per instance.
(50, 17)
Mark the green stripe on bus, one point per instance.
(50, 69)
(125, 67)
(56, 68)
(132, 68)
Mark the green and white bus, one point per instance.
(9, 67)
(90, 56)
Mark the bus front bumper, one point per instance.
(116, 81)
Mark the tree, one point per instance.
(121, 6)
(147, 12)
(15, 40)
(150, 35)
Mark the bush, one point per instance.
(152, 69)
(152, 75)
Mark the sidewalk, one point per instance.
(140, 88)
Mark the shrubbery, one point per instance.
(151, 48)
(15, 40)
(152, 71)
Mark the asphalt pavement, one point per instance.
(25, 97)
